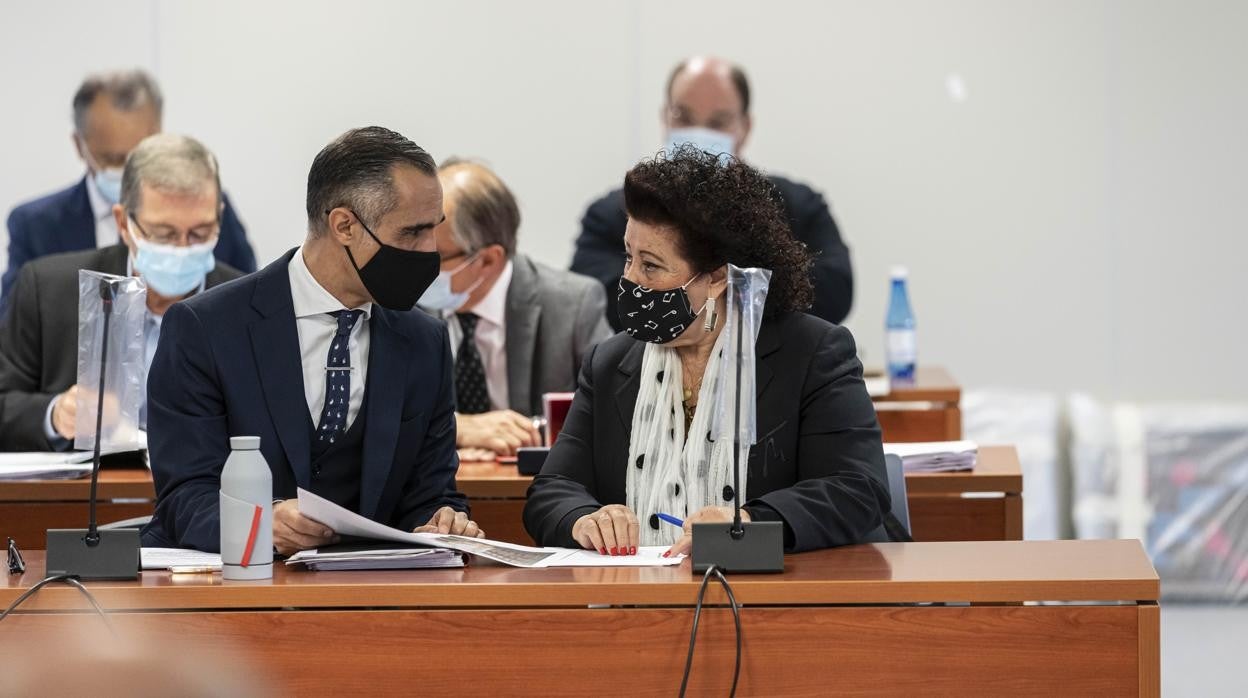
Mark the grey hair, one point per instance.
(127, 90)
(169, 163)
(486, 212)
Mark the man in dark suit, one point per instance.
(708, 105)
(168, 219)
(518, 328)
(112, 113)
(321, 356)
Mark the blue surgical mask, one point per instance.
(439, 295)
(709, 140)
(171, 270)
(108, 184)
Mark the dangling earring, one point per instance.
(711, 315)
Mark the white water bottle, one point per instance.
(246, 512)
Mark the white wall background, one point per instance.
(1075, 222)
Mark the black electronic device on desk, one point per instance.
(529, 460)
(92, 553)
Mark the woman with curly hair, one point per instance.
(637, 440)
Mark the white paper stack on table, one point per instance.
(935, 456)
(45, 466)
(374, 556)
(347, 523)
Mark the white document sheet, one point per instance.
(44, 466)
(348, 523)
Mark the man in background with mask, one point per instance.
(168, 217)
(321, 355)
(112, 113)
(708, 106)
(518, 328)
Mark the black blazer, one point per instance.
(39, 339)
(818, 465)
(228, 364)
(600, 247)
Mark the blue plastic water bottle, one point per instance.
(901, 350)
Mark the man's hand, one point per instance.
(447, 520)
(65, 412)
(292, 531)
(705, 515)
(502, 431)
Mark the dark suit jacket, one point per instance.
(228, 364)
(39, 343)
(600, 247)
(63, 222)
(554, 318)
(818, 465)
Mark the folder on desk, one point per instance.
(935, 456)
(376, 556)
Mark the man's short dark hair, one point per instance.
(355, 171)
(127, 90)
(737, 74)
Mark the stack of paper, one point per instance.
(45, 466)
(348, 523)
(178, 558)
(375, 557)
(935, 456)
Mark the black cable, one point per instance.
(31, 592)
(693, 634)
(697, 615)
(68, 579)
(736, 619)
(109, 624)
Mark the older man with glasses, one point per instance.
(169, 220)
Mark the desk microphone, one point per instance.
(91, 553)
(754, 546)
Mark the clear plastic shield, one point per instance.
(746, 295)
(125, 372)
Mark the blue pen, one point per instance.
(672, 520)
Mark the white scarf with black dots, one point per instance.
(666, 472)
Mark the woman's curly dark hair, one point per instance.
(723, 211)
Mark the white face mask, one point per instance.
(107, 181)
(439, 295)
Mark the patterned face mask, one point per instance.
(654, 316)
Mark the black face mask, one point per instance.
(654, 316)
(394, 277)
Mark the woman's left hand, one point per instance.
(707, 515)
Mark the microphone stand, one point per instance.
(755, 546)
(92, 553)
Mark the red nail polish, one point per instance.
(615, 551)
(602, 551)
(632, 550)
(665, 554)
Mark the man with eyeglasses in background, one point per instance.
(169, 222)
(112, 113)
(708, 106)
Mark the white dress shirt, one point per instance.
(106, 233)
(491, 338)
(316, 328)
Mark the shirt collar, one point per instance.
(493, 307)
(309, 296)
(100, 208)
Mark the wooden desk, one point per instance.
(28, 508)
(837, 620)
(925, 410)
(940, 508)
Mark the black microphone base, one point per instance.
(115, 557)
(760, 549)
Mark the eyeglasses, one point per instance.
(169, 236)
(16, 564)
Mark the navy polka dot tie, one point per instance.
(471, 394)
(337, 380)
